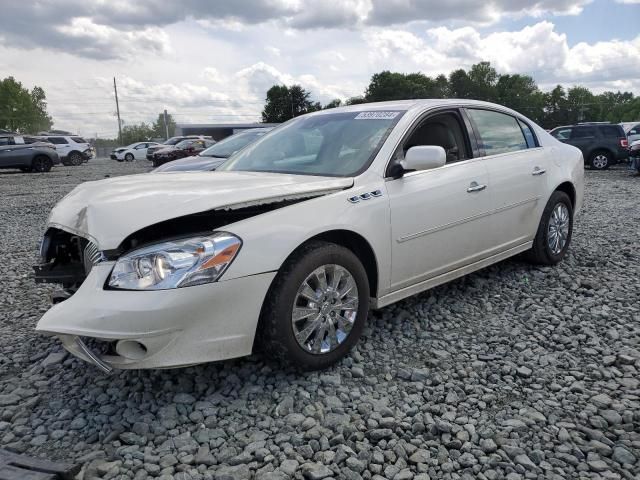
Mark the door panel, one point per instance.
(438, 225)
(518, 173)
(518, 185)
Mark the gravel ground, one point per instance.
(513, 372)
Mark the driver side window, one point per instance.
(444, 130)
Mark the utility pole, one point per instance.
(115, 89)
(166, 126)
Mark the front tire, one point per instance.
(75, 159)
(41, 164)
(600, 160)
(553, 238)
(128, 157)
(316, 308)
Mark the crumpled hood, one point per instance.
(107, 211)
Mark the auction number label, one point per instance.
(376, 115)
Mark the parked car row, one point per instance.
(216, 155)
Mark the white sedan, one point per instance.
(290, 243)
(135, 151)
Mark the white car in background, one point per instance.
(72, 149)
(290, 243)
(135, 151)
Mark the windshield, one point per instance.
(172, 141)
(184, 143)
(225, 148)
(330, 144)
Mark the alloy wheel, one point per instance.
(325, 309)
(600, 161)
(558, 232)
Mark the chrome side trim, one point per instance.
(438, 228)
(93, 358)
(445, 277)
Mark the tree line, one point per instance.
(560, 106)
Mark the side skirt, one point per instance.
(446, 277)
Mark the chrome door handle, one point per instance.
(538, 171)
(474, 187)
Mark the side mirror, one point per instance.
(424, 157)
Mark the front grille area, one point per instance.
(91, 256)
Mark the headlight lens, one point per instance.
(179, 263)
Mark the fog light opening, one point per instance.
(131, 349)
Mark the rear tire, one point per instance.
(556, 224)
(600, 160)
(41, 164)
(330, 315)
(75, 159)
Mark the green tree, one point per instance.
(137, 133)
(400, 86)
(284, 103)
(520, 93)
(555, 108)
(159, 129)
(333, 104)
(355, 100)
(22, 110)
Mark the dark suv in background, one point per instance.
(602, 144)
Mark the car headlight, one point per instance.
(175, 264)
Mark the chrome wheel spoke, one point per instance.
(558, 231)
(303, 335)
(307, 292)
(336, 277)
(325, 309)
(300, 313)
(321, 279)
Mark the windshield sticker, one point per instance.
(376, 115)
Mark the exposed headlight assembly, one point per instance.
(175, 264)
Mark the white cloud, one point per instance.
(537, 50)
(102, 41)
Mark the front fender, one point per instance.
(268, 239)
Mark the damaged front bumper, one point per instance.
(158, 329)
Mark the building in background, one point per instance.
(217, 131)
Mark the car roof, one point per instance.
(416, 104)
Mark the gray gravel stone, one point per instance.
(515, 371)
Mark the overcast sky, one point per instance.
(213, 60)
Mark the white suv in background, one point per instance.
(73, 150)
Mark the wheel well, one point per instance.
(567, 187)
(360, 247)
(598, 150)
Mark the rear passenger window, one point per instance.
(583, 132)
(79, 140)
(611, 132)
(562, 133)
(499, 133)
(58, 140)
(528, 134)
